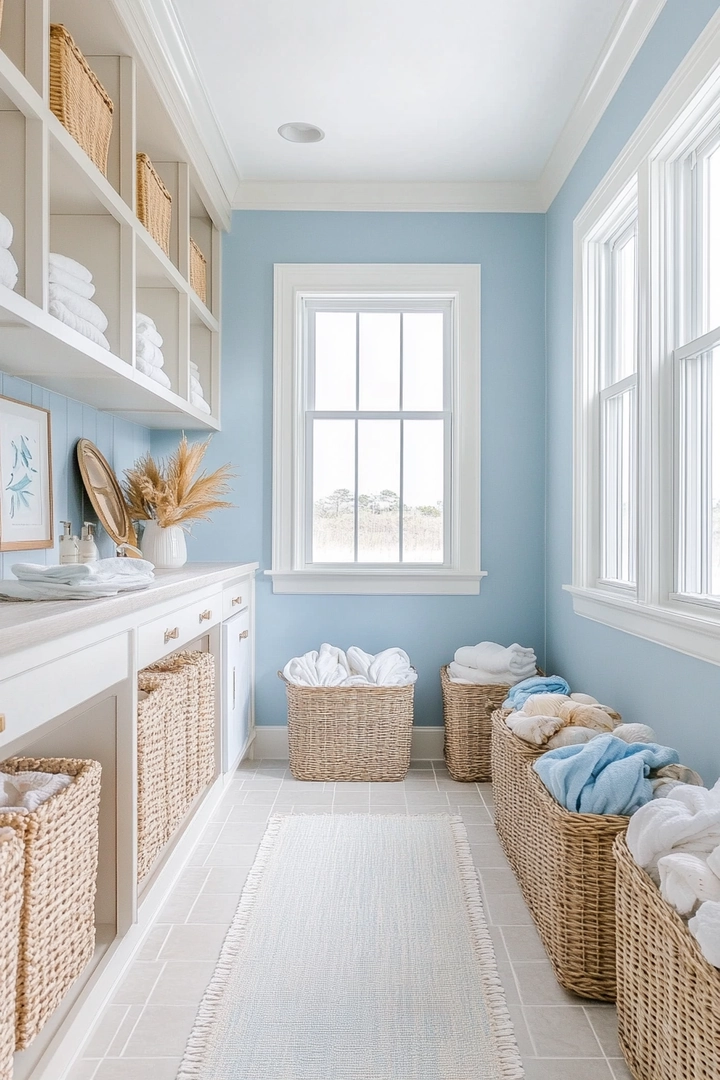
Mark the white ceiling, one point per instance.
(405, 90)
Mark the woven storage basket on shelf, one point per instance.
(11, 896)
(199, 669)
(57, 929)
(349, 732)
(154, 202)
(198, 271)
(78, 98)
(564, 865)
(668, 995)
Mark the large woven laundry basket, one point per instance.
(199, 669)
(11, 896)
(564, 865)
(349, 732)
(57, 929)
(668, 995)
(78, 98)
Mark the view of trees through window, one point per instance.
(378, 527)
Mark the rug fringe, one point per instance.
(191, 1066)
(509, 1054)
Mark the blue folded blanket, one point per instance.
(603, 776)
(538, 684)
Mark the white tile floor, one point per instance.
(141, 1036)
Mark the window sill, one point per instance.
(689, 633)
(377, 582)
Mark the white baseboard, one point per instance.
(272, 742)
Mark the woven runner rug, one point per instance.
(359, 951)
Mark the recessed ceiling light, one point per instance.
(301, 132)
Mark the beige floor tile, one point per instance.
(138, 1069)
(499, 882)
(249, 814)
(191, 880)
(262, 783)
(523, 943)
(472, 815)
(561, 1031)
(481, 834)
(137, 985)
(620, 1069)
(182, 983)
(538, 985)
(231, 855)
(124, 1031)
(489, 854)
(151, 946)
(196, 941)
(498, 943)
(258, 798)
(507, 909)
(604, 1023)
(226, 879)
(105, 1031)
(567, 1069)
(84, 1069)
(199, 855)
(214, 908)
(162, 1031)
(176, 908)
(242, 832)
(505, 972)
(525, 1043)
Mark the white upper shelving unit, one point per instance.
(58, 200)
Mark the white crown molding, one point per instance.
(163, 49)
(467, 198)
(630, 29)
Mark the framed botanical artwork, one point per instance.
(26, 510)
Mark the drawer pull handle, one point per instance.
(171, 634)
(204, 615)
(2, 721)
(236, 601)
(244, 634)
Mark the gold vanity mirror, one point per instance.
(105, 494)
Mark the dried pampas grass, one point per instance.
(170, 493)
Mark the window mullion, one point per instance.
(356, 503)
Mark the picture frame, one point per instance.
(26, 489)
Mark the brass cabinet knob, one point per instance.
(244, 634)
(171, 634)
(204, 615)
(237, 600)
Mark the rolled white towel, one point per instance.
(153, 372)
(667, 825)
(150, 353)
(705, 928)
(200, 403)
(6, 231)
(8, 269)
(70, 281)
(63, 313)
(391, 667)
(79, 305)
(64, 262)
(687, 880)
(634, 733)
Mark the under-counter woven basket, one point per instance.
(199, 668)
(78, 98)
(57, 928)
(154, 202)
(1, 15)
(668, 995)
(198, 271)
(11, 895)
(349, 732)
(564, 865)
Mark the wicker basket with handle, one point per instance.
(11, 896)
(349, 732)
(78, 98)
(564, 865)
(198, 271)
(668, 995)
(199, 669)
(154, 202)
(57, 928)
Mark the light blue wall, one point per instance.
(119, 441)
(679, 696)
(511, 251)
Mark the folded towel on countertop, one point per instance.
(79, 305)
(688, 819)
(686, 880)
(705, 927)
(8, 269)
(56, 276)
(63, 262)
(604, 776)
(115, 570)
(539, 684)
(6, 232)
(200, 403)
(12, 590)
(148, 352)
(153, 372)
(82, 326)
(23, 792)
(491, 657)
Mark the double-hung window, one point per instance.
(376, 440)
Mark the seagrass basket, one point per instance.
(154, 202)
(11, 896)
(198, 271)
(199, 670)
(1, 15)
(564, 865)
(78, 98)
(668, 995)
(57, 927)
(349, 732)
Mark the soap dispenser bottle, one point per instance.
(88, 551)
(69, 547)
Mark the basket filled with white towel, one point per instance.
(11, 895)
(350, 715)
(53, 805)
(8, 266)
(473, 686)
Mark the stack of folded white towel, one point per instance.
(197, 394)
(8, 266)
(77, 581)
(330, 666)
(23, 792)
(489, 664)
(677, 840)
(70, 293)
(148, 350)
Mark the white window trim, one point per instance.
(297, 282)
(655, 612)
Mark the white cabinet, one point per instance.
(237, 670)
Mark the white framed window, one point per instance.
(376, 445)
(646, 521)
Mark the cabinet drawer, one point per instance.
(235, 598)
(162, 636)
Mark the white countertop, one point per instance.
(32, 622)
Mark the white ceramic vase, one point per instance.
(165, 547)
